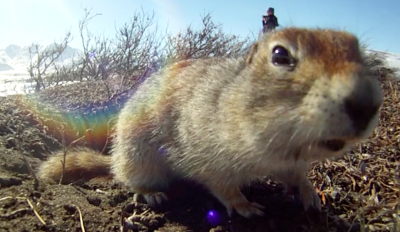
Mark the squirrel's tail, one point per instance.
(81, 164)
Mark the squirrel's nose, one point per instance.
(362, 105)
(361, 112)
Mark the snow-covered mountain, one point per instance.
(11, 50)
(391, 60)
(17, 58)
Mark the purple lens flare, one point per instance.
(213, 217)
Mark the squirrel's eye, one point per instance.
(281, 56)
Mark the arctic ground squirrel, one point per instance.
(301, 95)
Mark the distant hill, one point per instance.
(15, 57)
(389, 59)
(11, 50)
(5, 67)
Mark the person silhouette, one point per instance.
(270, 21)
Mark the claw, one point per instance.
(247, 209)
(155, 200)
(258, 206)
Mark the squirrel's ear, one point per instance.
(253, 51)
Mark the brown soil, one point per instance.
(362, 188)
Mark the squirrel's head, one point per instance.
(315, 85)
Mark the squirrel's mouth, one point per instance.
(332, 144)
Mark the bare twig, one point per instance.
(24, 209)
(36, 181)
(108, 135)
(19, 147)
(80, 218)
(129, 223)
(9, 197)
(65, 155)
(11, 214)
(36, 213)
(208, 41)
(41, 60)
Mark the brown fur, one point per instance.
(226, 122)
(82, 164)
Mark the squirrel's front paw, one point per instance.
(247, 209)
(244, 207)
(154, 199)
(233, 199)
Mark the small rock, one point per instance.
(7, 181)
(70, 209)
(94, 201)
(11, 143)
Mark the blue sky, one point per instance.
(377, 23)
